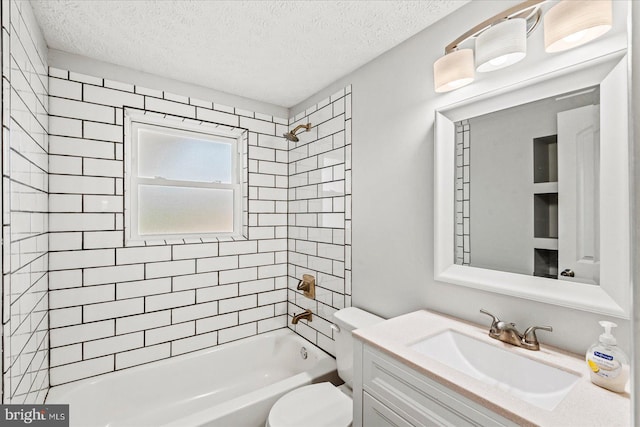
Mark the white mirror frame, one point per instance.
(613, 295)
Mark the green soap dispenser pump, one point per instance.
(608, 365)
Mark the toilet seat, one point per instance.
(318, 405)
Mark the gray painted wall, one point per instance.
(501, 199)
(635, 99)
(393, 111)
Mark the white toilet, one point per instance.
(323, 404)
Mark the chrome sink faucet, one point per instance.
(507, 332)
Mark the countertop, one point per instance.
(585, 405)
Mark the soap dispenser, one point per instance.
(608, 365)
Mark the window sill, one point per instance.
(184, 240)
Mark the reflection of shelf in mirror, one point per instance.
(545, 215)
(545, 187)
(543, 243)
(545, 263)
(545, 159)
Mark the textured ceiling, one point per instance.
(274, 51)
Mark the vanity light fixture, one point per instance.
(453, 70)
(500, 41)
(501, 45)
(572, 23)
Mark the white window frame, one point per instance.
(136, 120)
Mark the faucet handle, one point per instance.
(496, 324)
(495, 318)
(529, 338)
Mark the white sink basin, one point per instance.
(537, 383)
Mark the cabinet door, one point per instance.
(375, 414)
(419, 399)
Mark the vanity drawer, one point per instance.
(375, 414)
(418, 399)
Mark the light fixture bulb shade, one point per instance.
(453, 70)
(501, 45)
(572, 23)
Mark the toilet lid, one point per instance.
(317, 405)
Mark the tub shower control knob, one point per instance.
(308, 286)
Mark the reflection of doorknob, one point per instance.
(567, 272)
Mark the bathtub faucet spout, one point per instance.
(307, 314)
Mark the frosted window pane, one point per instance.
(182, 158)
(184, 210)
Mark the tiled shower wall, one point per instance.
(24, 183)
(114, 306)
(320, 215)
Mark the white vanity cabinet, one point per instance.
(387, 392)
(410, 371)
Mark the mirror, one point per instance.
(527, 188)
(517, 205)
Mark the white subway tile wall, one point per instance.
(70, 282)
(24, 207)
(114, 306)
(463, 188)
(319, 217)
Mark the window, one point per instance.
(182, 180)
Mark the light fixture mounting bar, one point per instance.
(505, 14)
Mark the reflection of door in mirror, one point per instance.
(527, 188)
(578, 194)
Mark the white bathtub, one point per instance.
(233, 384)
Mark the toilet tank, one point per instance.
(348, 319)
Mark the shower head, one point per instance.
(291, 136)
